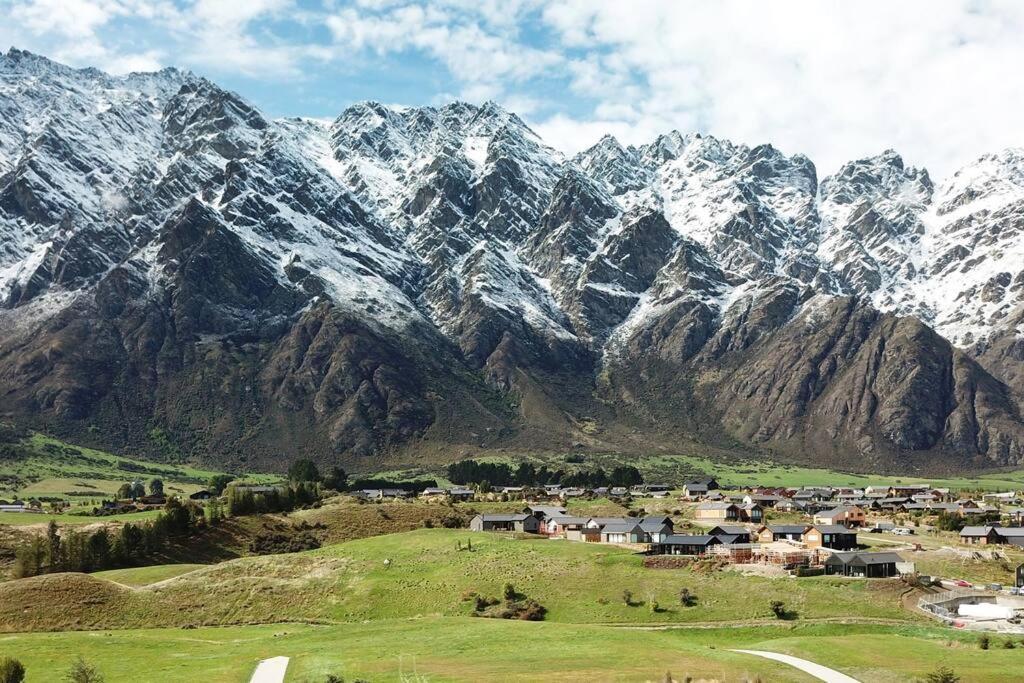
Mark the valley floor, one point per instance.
(466, 649)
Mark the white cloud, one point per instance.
(939, 81)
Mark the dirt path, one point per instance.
(820, 672)
(270, 671)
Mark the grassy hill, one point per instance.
(428, 577)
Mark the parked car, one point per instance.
(875, 530)
(994, 587)
(961, 583)
(903, 531)
(1014, 590)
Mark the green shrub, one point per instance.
(11, 670)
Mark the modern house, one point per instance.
(201, 495)
(741, 534)
(622, 532)
(684, 545)
(751, 512)
(865, 565)
(847, 515)
(992, 535)
(498, 522)
(717, 512)
(834, 536)
(655, 528)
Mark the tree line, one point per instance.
(71, 550)
(526, 474)
(242, 500)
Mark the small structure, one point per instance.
(497, 522)
(202, 494)
(863, 564)
(740, 533)
(780, 532)
(751, 512)
(544, 512)
(655, 528)
(979, 535)
(561, 525)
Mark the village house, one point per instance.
(201, 495)
(717, 512)
(751, 512)
(544, 512)
(870, 565)
(835, 537)
(622, 532)
(741, 534)
(765, 500)
(461, 493)
(847, 515)
(684, 545)
(992, 535)
(501, 522)
(695, 491)
(562, 525)
(655, 528)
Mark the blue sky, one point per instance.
(938, 80)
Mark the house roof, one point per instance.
(715, 506)
(620, 528)
(842, 509)
(865, 558)
(547, 510)
(495, 517)
(834, 529)
(975, 531)
(728, 530)
(654, 524)
(1010, 531)
(787, 528)
(602, 521)
(695, 487)
(681, 539)
(562, 521)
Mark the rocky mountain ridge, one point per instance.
(180, 274)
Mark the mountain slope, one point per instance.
(439, 280)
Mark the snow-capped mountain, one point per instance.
(401, 279)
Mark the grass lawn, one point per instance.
(144, 576)
(463, 649)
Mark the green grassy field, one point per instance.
(427, 577)
(462, 649)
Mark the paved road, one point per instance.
(817, 670)
(270, 671)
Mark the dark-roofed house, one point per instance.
(201, 495)
(834, 536)
(684, 545)
(866, 565)
(751, 512)
(543, 512)
(622, 532)
(695, 491)
(979, 535)
(499, 522)
(741, 534)
(1011, 535)
(655, 528)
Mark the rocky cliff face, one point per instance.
(180, 274)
